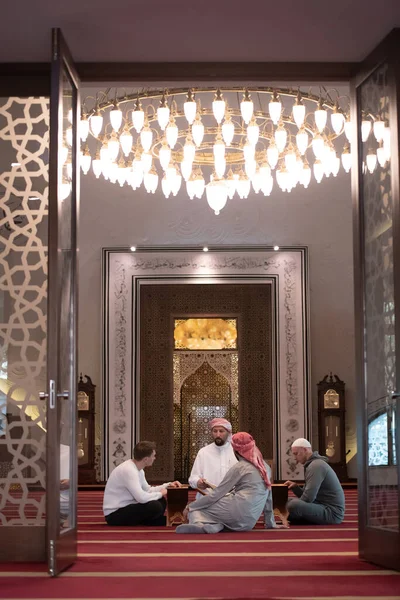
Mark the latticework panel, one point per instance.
(24, 140)
(159, 306)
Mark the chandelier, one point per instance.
(221, 141)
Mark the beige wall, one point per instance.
(320, 218)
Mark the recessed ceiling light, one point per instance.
(205, 249)
(133, 248)
(15, 164)
(276, 248)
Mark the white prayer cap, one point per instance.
(301, 443)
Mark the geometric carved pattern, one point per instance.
(159, 305)
(24, 135)
(380, 363)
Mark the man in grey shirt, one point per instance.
(321, 500)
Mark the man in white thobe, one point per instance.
(214, 461)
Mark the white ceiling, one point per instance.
(181, 30)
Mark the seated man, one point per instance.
(213, 461)
(128, 498)
(321, 500)
(241, 497)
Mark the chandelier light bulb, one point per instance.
(348, 130)
(146, 138)
(219, 148)
(116, 118)
(190, 108)
(253, 132)
(365, 129)
(275, 108)
(64, 190)
(318, 170)
(104, 154)
(96, 166)
(228, 130)
(198, 130)
(186, 169)
(176, 183)
(318, 145)
(150, 181)
(265, 170)
(346, 159)
(282, 178)
(220, 166)
(337, 120)
(290, 159)
(256, 181)
(86, 161)
(96, 124)
(191, 186)
(113, 148)
(250, 167)
(137, 174)
(299, 111)
(280, 138)
(147, 161)
(320, 117)
(381, 156)
(371, 160)
(138, 116)
(336, 166)
(126, 140)
(189, 149)
(248, 151)
(200, 183)
(243, 185)
(122, 173)
(267, 184)
(112, 170)
(217, 194)
(164, 155)
(230, 184)
(163, 113)
(68, 136)
(246, 107)
(305, 177)
(302, 140)
(379, 128)
(84, 128)
(218, 107)
(172, 133)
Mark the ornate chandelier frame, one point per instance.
(177, 134)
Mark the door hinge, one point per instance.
(52, 558)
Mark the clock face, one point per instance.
(331, 399)
(83, 401)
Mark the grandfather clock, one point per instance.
(86, 449)
(331, 423)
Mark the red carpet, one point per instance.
(119, 563)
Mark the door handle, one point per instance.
(52, 394)
(395, 395)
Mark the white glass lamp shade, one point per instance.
(146, 138)
(371, 160)
(170, 173)
(189, 150)
(381, 156)
(243, 186)
(150, 181)
(299, 113)
(335, 166)
(220, 166)
(267, 184)
(138, 119)
(198, 131)
(126, 139)
(68, 136)
(282, 178)
(165, 155)
(200, 184)
(165, 186)
(280, 138)
(105, 154)
(290, 159)
(189, 109)
(379, 128)
(176, 183)
(275, 109)
(318, 170)
(248, 151)
(250, 167)
(253, 132)
(228, 131)
(348, 130)
(337, 120)
(147, 161)
(84, 129)
(305, 177)
(86, 160)
(217, 195)
(265, 170)
(172, 133)
(186, 169)
(96, 166)
(302, 140)
(163, 116)
(96, 124)
(64, 190)
(113, 148)
(218, 107)
(116, 118)
(219, 149)
(230, 183)
(346, 160)
(112, 170)
(318, 145)
(365, 129)
(137, 173)
(256, 181)
(122, 174)
(246, 110)
(272, 154)
(320, 117)
(191, 186)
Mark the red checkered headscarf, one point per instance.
(244, 444)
